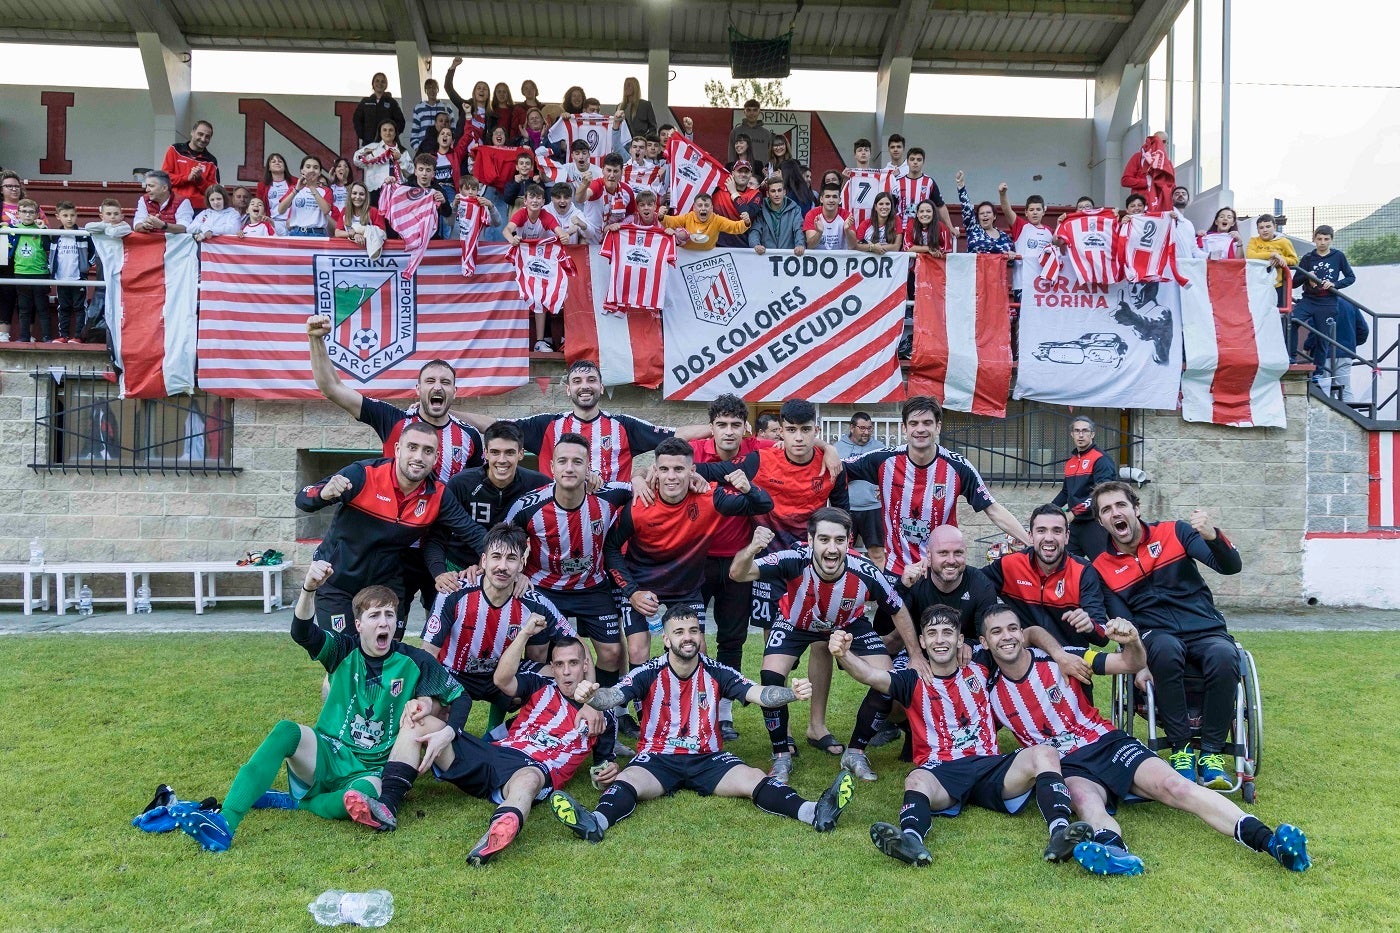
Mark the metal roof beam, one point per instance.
(1151, 24)
(153, 16)
(897, 47)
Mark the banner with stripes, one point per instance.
(151, 310)
(256, 294)
(1384, 505)
(823, 326)
(625, 345)
(962, 332)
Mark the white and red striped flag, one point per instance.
(594, 129)
(472, 220)
(1233, 337)
(255, 295)
(626, 346)
(1383, 507)
(542, 272)
(692, 171)
(551, 172)
(962, 332)
(413, 214)
(152, 304)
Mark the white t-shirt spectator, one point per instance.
(565, 219)
(217, 223)
(305, 212)
(833, 234)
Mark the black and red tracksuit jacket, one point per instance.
(1083, 471)
(1159, 586)
(1041, 599)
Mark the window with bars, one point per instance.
(82, 423)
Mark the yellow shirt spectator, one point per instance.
(704, 226)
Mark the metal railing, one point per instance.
(1383, 361)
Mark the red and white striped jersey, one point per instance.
(817, 605)
(680, 715)
(915, 499)
(1146, 248)
(592, 128)
(1032, 240)
(639, 257)
(459, 444)
(1044, 707)
(544, 728)
(909, 192)
(859, 191)
(604, 207)
(868, 233)
(1089, 247)
(566, 545)
(612, 440)
(413, 213)
(1217, 245)
(950, 718)
(692, 171)
(471, 634)
(472, 221)
(542, 271)
(649, 176)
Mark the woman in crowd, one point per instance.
(274, 187)
(798, 188)
(881, 231)
(743, 152)
(217, 218)
(832, 177)
(575, 101)
(308, 206)
(640, 117)
(474, 112)
(11, 193)
(980, 225)
(359, 215)
(532, 134)
(341, 175)
(376, 108)
(1223, 240)
(256, 222)
(505, 112)
(923, 234)
(778, 153)
(383, 159)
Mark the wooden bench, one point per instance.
(30, 573)
(203, 573)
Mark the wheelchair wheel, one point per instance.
(1254, 713)
(1247, 791)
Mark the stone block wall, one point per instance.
(1339, 472)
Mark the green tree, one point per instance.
(1383, 250)
(769, 94)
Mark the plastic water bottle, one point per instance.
(85, 600)
(36, 553)
(370, 909)
(654, 623)
(143, 598)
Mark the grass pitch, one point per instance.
(96, 722)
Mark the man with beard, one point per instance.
(386, 506)
(1086, 467)
(458, 443)
(826, 589)
(680, 745)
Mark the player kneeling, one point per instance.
(543, 747)
(955, 747)
(334, 768)
(680, 744)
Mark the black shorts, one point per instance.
(594, 612)
(634, 623)
(1111, 762)
(700, 773)
(884, 622)
(980, 779)
(870, 525)
(482, 768)
(784, 639)
(334, 611)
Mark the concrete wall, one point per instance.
(1339, 472)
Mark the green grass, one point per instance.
(96, 722)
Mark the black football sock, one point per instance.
(1052, 797)
(773, 797)
(916, 815)
(775, 718)
(616, 804)
(875, 706)
(394, 782)
(1109, 838)
(1252, 832)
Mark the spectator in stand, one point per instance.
(526, 174)
(191, 166)
(575, 100)
(1150, 172)
(921, 234)
(778, 151)
(825, 227)
(573, 226)
(382, 160)
(238, 199)
(11, 193)
(647, 214)
(70, 260)
(914, 186)
(980, 225)
(1317, 308)
(777, 224)
(606, 200)
(1183, 231)
(450, 157)
(881, 232)
(505, 113)
(640, 117)
(473, 112)
(738, 198)
(1030, 236)
(426, 111)
(341, 175)
(530, 97)
(798, 188)
(894, 155)
(30, 257)
(1135, 204)
(743, 152)
(530, 221)
(579, 170)
(158, 210)
(534, 131)
(832, 177)
(256, 223)
(1267, 244)
(374, 110)
(1223, 240)
(359, 215)
(217, 218)
(424, 176)
(703, 226)
(862, 150)
(470, 190)
(277, 181)
(307, 206)
(760, 137)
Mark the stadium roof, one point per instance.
(1028, 37)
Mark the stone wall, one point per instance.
(1339, 472)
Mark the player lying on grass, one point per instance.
(1101, 764)
(544, 744)
(680, 745)
(955, 747)
(333, 769)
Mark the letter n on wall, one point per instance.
(258, 115)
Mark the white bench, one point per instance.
(203, 574)
(29, 573)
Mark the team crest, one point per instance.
(421, 508)
(1155, 549)
(940, 490)
(715, 291)
(847, 605)
(703, 699)
(338, 621)
(1060, 588)
(692, 511)
(396, 686)
(817, 483)
(597, 527)
(1055, 694)
(512, 633)
(373, 310)
(973, 684)
(433, 627)
(605, 442)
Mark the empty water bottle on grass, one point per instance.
(370, 909)
(85, 600)
(143, 598)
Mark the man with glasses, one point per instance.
(1086, 467)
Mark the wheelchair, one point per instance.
(1246, 739)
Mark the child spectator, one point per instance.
(606, 200)
(894, 149)
(702, 225)
(70, 259)
(881, 232)
(374, 110)
(530, 222)
(580, 170)
(217, 219)
(31, 261)
(922, 234)
(467, 194)
(1342, 322)
(648, 213)
(426, 111)
(1030, 237)
(276, 182)
(382, 160)
(573, 226)
(359, 215)
(308, 206)
(825, 227)
(979, 226)
(505, 113)
(777, 223)
(1223, 240)
(424, 172)
(1135, 204)
(11, 193)
(525, 175)
(341, 176)
(256, 222)
(112, 223)
(1267, 244)
(1319, 302)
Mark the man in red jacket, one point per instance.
(191, 166)
(1150, 173)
